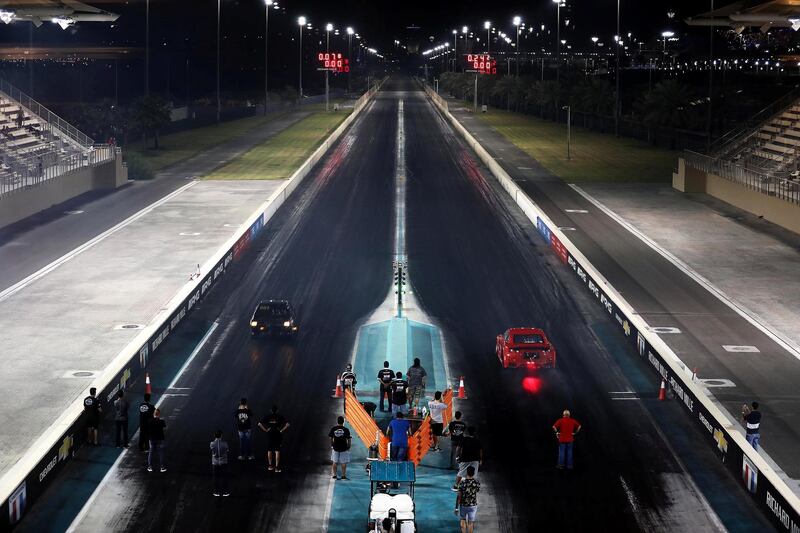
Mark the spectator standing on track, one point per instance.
(456, 428)
(91, 406)
(274, 425)
(145, 416)
(437, 408)
(470, 455)
(340, 447)
(417, 378)
(752, 421)
(349, 378)
(244, 425)
(385, 378)
(121, 419)
(399, 394)
(467, 500)
(566, 428)
(219, 464)
(158, 428)
(399, 430)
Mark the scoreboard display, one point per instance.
(482, 63)
(333, 61)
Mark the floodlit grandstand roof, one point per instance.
(747, 13)
(61, 12)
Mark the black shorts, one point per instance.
(93, 422)
(274, 442)
(436, 428)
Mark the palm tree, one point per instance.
(510, 87)
(668, 105)
(593, 97)
(150, 114)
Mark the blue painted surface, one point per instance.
(398, 341)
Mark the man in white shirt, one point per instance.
(437, 407)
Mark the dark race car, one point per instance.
(525, 347)
(274, 317)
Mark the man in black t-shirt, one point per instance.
(399, 394)
(385, 378)
(91, 406)
(158, 428)
(274, 425)
(145, 416)
(244, 425)
(456, 428)
(340, 447)
(470, 454)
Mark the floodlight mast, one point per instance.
(301, 21)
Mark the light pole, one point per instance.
(219, 101)
(301, 21)
(488, 27)
(267, 5)
(517, 21)
(465, 30)
(455, 48)
(594, 42)
(350, 32)
(569, 132)
(328, 29)
(666, 35)
(616, 103)
(147, 50)
(558, 38)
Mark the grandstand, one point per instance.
(36, 145)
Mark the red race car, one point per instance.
(525, 347)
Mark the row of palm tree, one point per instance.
(667, 105)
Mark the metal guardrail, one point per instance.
(772, 185)
(45, 114)
(22, 173)
(752, 125)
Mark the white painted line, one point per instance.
(626, 398)
(742, 311)
(524, 168)
(575, 211)
(740, 349)
(114, 467)
(498, 158)
(18, 286)
(567, 228)
(76, 212)
(188, 234)
(664, 329)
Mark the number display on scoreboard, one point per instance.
(333, 61)
(482, 63)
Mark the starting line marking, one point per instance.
(740, 349)
(524, 168)
(575, 211)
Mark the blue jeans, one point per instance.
(244, 443)
(754, 439)
(156, 448)
(398, 453)
(565, 454)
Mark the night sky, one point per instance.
(183, 35)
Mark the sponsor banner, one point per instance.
(558, 248)
(732, 456)
(16, 504)
(544, 231)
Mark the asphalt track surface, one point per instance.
(476, 271)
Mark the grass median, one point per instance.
(595, 157)
(176, 147)
(279, 156)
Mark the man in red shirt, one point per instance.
(566, 428)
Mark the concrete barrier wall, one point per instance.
(781, 212)
(770, 492)
(31, 200)
(26, 481)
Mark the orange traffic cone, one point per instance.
(462, 392)
(148, 389)
(337, 393)
(662, 392)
